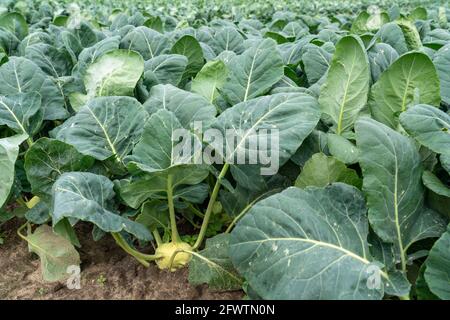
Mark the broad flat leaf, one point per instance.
(316, 61)
(428, 125)
(412, 36)
(213, 266)
(189, 46)
(421, 287)
(21, 112)
(290, 244)
(228, 39)
(164, 69)
(322, 170)
(381, 56)
(392, 173)
(359, 25)
(437, 272)
(238, 200)
(38, 214)
(154, 215)
(149, 43)
(157, 150)
(47, 159)
(88, 197)
(345, 91)
(136, 190)
(9, 150)
(392, 35)
(155, 23)
(441, 61)
(410, 80)
(292, 52)
(187, 106)
(294, 115)
(57, 254)
(210, 79)
(22, 75)
(89, 55)
(14, 22)
(55, 62)
(113, 73)
(434, 184)
(253, 72)
(342, 149)
(316, 142)
(418, 13)
(105, 127)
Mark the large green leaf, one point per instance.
(136, 190)
(342, 149)
(157, 150)
(292, 243)
(113, 73)
(57, 254)
(9, 150)
(90, 54)
(105, 127)
(187, 106)
(392, 34)
(293, 115)
(441, 61)
(20, 75)
(253, 72)
(345, 91)
(428, 125)
(14, 22)
(321, 170)
(47, 159)
(189, 46)
(434, 184)
(149, 43)
(316, 61)
(410, 80)
(55, 62)
(392, 173)
(21, 112)
(154, 215)
(164, 69)
(88, 197)
(210, 79)
(437, 272)
(228, 39)
(213, 266)
(381, 56)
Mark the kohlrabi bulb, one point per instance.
(166, 251)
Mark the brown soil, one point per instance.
(106, 273)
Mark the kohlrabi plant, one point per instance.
(298, 151)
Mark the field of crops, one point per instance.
(279, 150)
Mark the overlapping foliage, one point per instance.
(90, 97)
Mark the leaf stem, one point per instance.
(173, 221)
(30, 142)
(141, 257)
(208, 212)
(19, 231)
(157, 237)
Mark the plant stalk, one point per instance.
(208, 212)
(141, 257)
(173, 221)
(157, 237)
